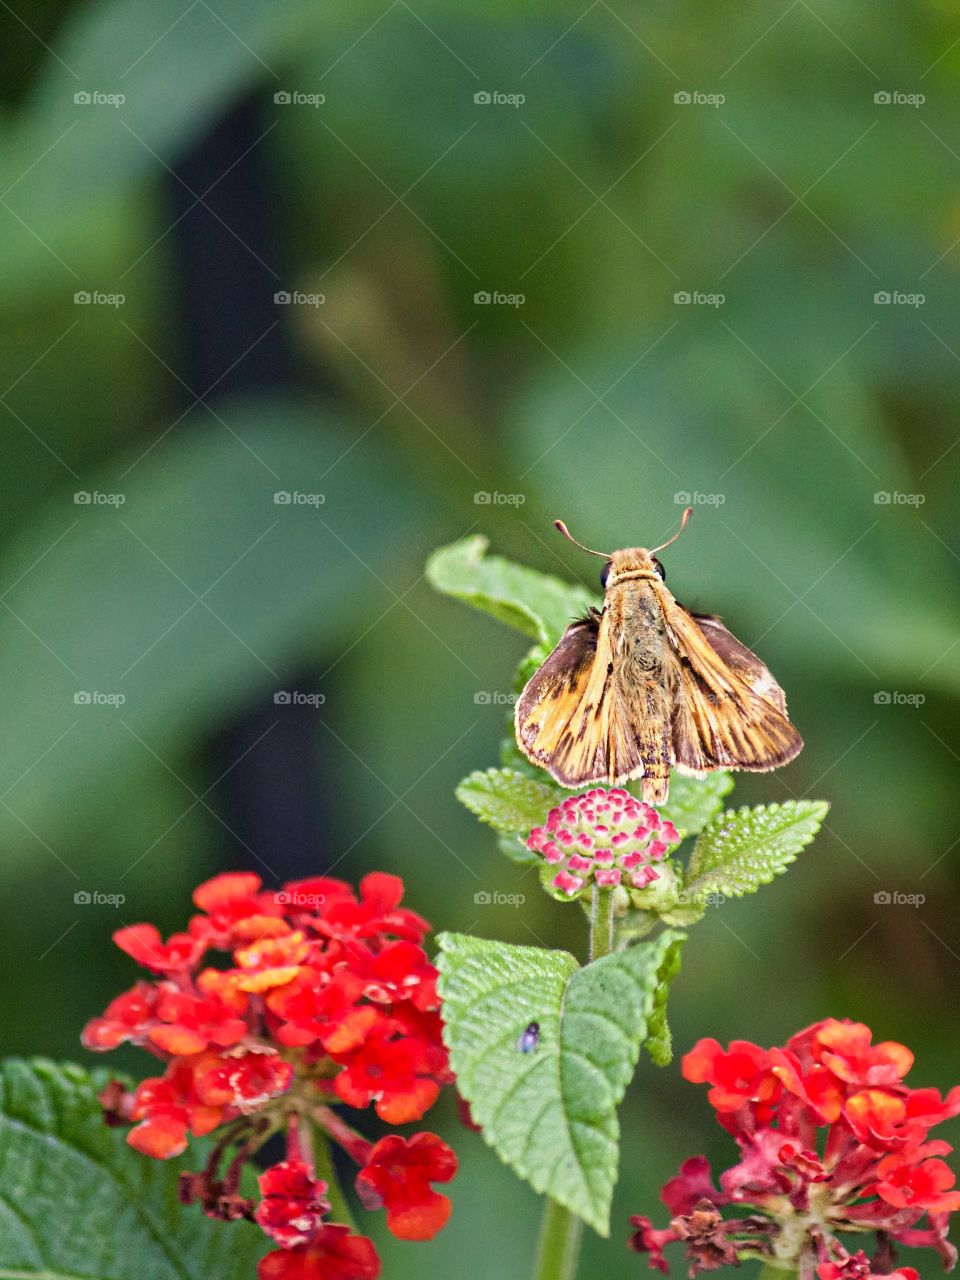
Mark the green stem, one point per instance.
(560, 1232)
(323, 1165)
(559, 1247)
(601, 922)
(769, 1272)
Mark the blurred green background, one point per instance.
(772, 155)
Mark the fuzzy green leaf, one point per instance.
(76, 1200)
(507, 800)
(694, 801)
(550, 1114)
(744, 848)
(659, 1042)
(537, 604)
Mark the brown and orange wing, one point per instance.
(570, 719)
(728, 711)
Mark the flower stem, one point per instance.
(601, 922)
(559, 1246)
(322, 1159)
(770, 1272)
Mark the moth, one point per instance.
(643, 686)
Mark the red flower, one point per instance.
(325, 996)
(293, 1203)
(741, 1074)
(398, 1174)
(393, 1073)
(169, 1110)
(145, 945)
(129, 1017)
(188, 1024)
(315, 1007)
(334, 1254)
(872, 1168)
(377, 912)
(244, 1081)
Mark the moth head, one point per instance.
(631, 562)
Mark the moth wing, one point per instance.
(728, 711)
(741, 659)
(569, 719)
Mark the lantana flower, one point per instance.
(604, 838)
(327, 998)
(832, 1142)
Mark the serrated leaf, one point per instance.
(535, 603)
(507, 800)
(742, 849)
(694, 801)
(550, 1114)
(659, 1042)
(75, 1200)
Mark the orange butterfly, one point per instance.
(644, 685)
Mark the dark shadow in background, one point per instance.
(226, 248)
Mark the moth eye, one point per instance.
(605, 574)
(659, 569)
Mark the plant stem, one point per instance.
(561, 1230)
(323, 1165)
(559, 1246)
(601, 922)
(770, 1272)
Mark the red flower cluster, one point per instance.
(831, 1140)
(329, 998)
(605, 838)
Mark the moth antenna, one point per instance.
(687, 513)
(567, 534)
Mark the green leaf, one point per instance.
(537, 604)
(549, 1114)
(508, 801)
(694, 801)
(75, 1200)
(742, 849)
(659, 1042)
